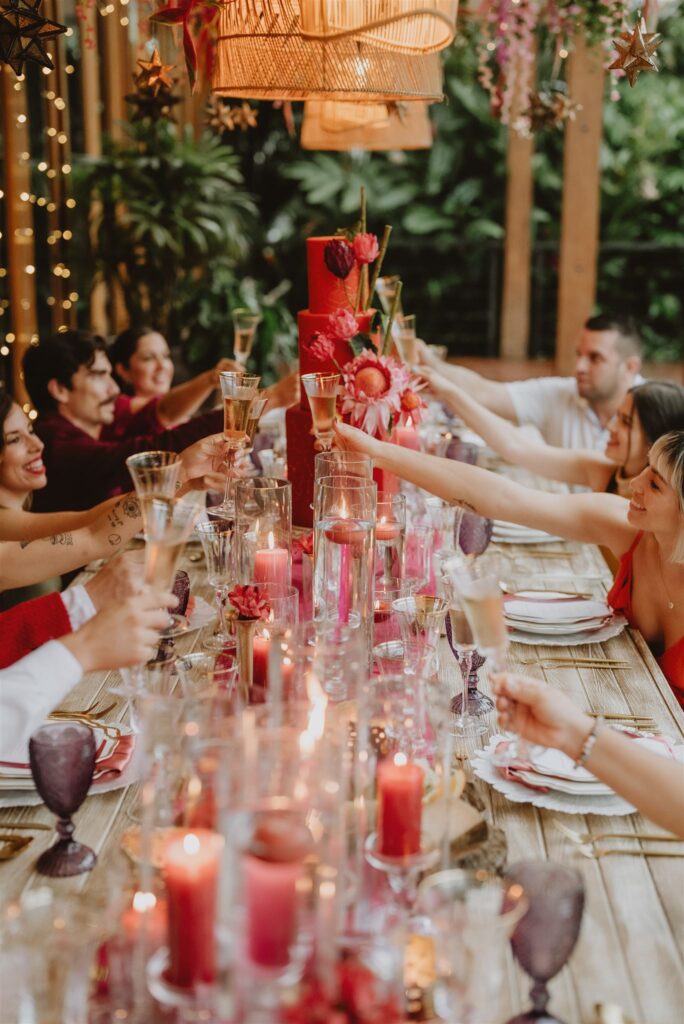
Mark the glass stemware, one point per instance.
(466, 725)
(406, 337)
(245, 323)
(420, 619)
(546, 936)
(62, 757)
(217, 544)
(239, 391)
(321, 390)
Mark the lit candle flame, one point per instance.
(400, 759)
(143, 901)
(191, 843)
(316, 724)
(270, 543)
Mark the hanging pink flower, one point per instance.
(366, 248)
(322, 348)
(339, 257)
(342, 325)
(250, 602)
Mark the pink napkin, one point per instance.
(110, 767)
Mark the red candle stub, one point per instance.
(400, 807)
(382, 611)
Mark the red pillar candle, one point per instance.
(272, 872)
(191, 866)
(262, 652)
(400, 806)
(272, 564)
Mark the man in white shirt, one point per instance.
(569, 412)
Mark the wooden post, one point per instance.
(581, 194)
(19, 223)
(114, 109)
(517, 274)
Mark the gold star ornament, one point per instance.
(23, 34)
(635, 52)
(154, 74)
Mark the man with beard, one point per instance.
(569, 412)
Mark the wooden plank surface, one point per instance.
(631, 948)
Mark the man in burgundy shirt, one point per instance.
(69, 379)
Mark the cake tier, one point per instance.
(300, 463)
(327, 292)
(316, 323)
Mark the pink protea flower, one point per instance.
(342, 325)
(304, 544)
(373, 386)
(339, 257)
(366, 248)
(322, 348)
(250, 602)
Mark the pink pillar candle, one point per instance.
(407, 437)
(272, 564)
(191, 867)
(400, 807)
(262, 651)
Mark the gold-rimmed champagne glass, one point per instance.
(256, 411)
(321, 390)
(239, 391)
(245, 323)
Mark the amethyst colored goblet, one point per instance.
(546, 936)
(479, 704)
(62, 756)
(181, 589)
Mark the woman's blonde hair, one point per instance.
(667, 458)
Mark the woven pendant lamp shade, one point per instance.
(382, 131)
(409, 26)
(261, 55)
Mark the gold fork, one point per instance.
(11, 846)
(596, 854)
(578, 662)
(582, 838)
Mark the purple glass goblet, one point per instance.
(479, 704)
(546, 936)
(181, 588)
(62, 757)
(474, 533)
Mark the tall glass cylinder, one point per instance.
(344, 560)
(263, 515)
(390, 530)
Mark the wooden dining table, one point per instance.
(631, 946)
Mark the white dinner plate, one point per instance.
(587, 636)
(557, 612)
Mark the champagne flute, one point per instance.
(239, 391)
(321, 390)
(245, 323)
(406, 337)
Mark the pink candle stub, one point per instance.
(387, 529)
(400, 807)
(272, 870)
(191, 866)
(272, 564)
(262, 651)
(407, 437)
(344, 531)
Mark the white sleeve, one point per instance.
(79, 607)
(29, 690)
(534, 400)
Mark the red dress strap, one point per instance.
(620, 594)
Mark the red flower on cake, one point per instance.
(339, 257)
(322, 348)
(342, 325)
(366, 248)
(250, 602)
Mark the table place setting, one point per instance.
(514, 533)
(560, 621)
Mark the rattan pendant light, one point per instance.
(324, 128)
(409, 26)
(261, 54)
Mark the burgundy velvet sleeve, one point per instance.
(31, 624)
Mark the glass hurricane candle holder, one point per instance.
(282, 617)
(344, 558)
(263, 521)
(402, 783)
(323, 654)
(219, 555)
(245, 323)
(239, 390)
(322, 390)
(390, 530)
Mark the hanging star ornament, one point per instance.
(153, 103)
(23, 33)
(154, 74)
(635, 52)
(224, 118)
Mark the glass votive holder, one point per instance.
(263, 518)
(318, 654)
(283, 615)
(390, 530)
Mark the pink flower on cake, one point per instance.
(342, 325)
(366, 248)
(250, 602)
(322, 348)
(373, 389)
(339, 257)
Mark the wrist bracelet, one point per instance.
(588, 744)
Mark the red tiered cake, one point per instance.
(327, 294)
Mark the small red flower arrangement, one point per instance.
(360, 999)
(250, 602)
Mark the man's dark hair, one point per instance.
(628, 342)
(58, 358)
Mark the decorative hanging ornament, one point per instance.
(550, 107)
(155, 102)
(153, 74)
(635, 52)
(23, 33)
(196, 18)
(223, 117)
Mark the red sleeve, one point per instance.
(31, 624)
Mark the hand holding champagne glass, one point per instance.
(321, 390)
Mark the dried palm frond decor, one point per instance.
(407, 127)
(261, 54)
(409, 26)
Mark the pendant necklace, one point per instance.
(670, 602)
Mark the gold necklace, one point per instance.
(670, 602)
